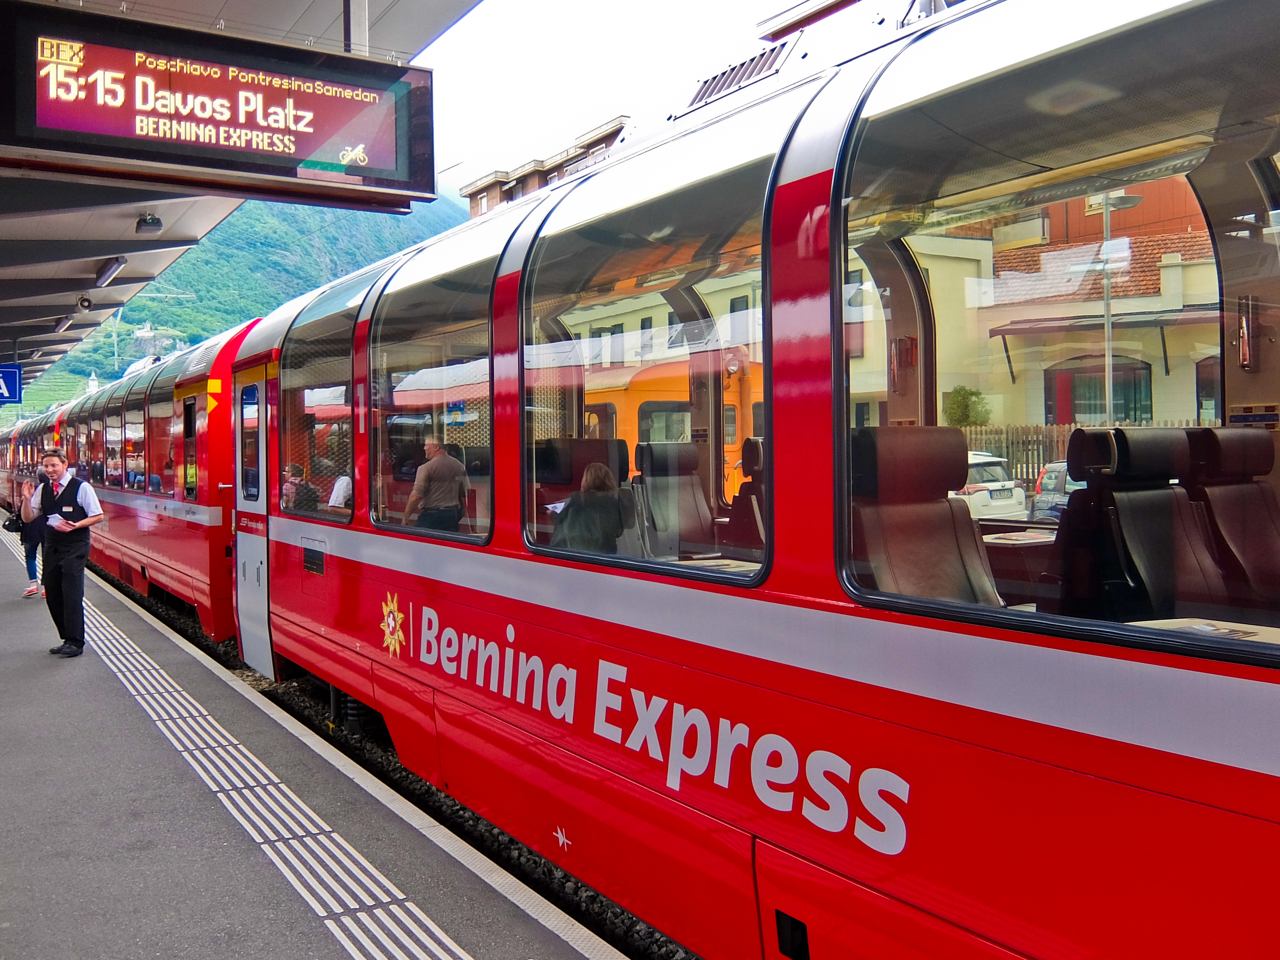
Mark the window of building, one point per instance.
(316, 403)
(1209, 392)
(430, 357)
(1075, 391)
(482, 203)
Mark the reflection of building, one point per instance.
(1021, 305)
(500, 186)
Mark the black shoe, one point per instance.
(68, 650)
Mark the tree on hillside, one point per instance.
(261, 256)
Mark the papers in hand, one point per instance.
(557, 506)
(59, 524)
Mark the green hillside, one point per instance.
(259, 257)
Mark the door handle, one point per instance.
(226, 486)
(259, 572)
(242, 569)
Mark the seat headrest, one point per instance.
(1091, 452)
(1128, 455)
(1151, 454)
(562, 460)
(1232, 455)
(753, 457)
(551, 461)
(909, 464)
(666, 459)
(612, 453)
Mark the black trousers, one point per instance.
(64, 588)
(440, 518)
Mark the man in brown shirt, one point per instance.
(440, 486)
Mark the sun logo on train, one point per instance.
(392, 621)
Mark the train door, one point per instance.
(251, 523)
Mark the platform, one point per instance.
(153, 805)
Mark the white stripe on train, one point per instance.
(1179, 711)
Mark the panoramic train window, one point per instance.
(1033, 350)
(97, 436)
(115, 437)
(315, 403)
(429, 354)
(135, 416)
(162, 428)
(673, 235)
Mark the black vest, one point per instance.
(53, 506)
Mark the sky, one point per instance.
(516, 81)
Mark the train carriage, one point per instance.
(157, 447)
(821, 707)
(879, 727)
(824, 710)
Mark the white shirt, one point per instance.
(341, 491)
(84, 496)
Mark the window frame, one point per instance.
(712, 152)
(1109, 633)
(319, 310)
(430, 264)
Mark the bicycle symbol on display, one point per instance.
(353, 155)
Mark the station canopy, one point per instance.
(88, 217)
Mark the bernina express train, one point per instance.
(825, 705)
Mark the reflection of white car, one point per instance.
(990, 491)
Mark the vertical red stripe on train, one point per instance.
(506, 412)
(802, 429)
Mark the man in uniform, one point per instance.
(440, 486)
(69, 508)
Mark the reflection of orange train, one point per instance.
(652, 404)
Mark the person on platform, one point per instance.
(32, 538)
(440, 486)
(69, 508)
(593, 518)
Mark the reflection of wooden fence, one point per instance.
(1028, 447)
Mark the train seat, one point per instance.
(671, 501)
(909, 537)
(1243, 514)
(558, 466)
(1144, 552)
(743, 535)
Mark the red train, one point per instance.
(804, 705)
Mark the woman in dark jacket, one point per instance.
(591, 519)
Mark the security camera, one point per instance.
(85, 304)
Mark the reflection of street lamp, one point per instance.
(1124, 201)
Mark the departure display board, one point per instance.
(206, 107)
